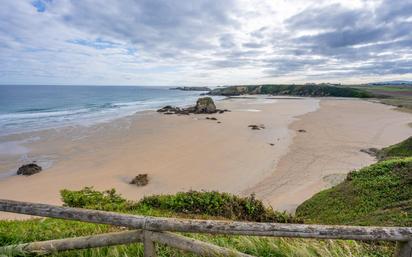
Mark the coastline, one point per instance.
(183, 153)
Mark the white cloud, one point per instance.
(204, 42)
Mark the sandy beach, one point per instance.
(280, 165)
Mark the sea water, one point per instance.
(37, 107)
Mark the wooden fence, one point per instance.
(151, 230)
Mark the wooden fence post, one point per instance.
(403, 249)
(149, 246)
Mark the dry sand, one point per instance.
(189, 152)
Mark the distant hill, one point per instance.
(191, 88)
(393, 83)
(293, 90)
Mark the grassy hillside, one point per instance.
(403, 149)
(293, 90)
(186, 205)
(396, 95)
(380, 194)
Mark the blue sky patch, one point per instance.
(40, 5)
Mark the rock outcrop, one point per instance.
(29, 169)
(204, 105)
(371, 151)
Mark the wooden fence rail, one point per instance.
(154, 227)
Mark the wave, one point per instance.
(33, 119)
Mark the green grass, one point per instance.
(379, 194)
(12, 232)
(403, 149)
(34, 230)
(388, 88)
(190, 204)
(399, 96)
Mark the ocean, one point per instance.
(37, 107)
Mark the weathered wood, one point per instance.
(148, 245)
(210, 226)
(403, 249)
(193, 245)
(44, 247)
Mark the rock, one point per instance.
(257, 127)
(211, 118)
(165, 109)
(29, 169)
(272, 144)
(302, 131)
(371, 151)
(140, 180)
(205, 105)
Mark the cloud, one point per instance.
(178, 42)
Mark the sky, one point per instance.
(204, 42)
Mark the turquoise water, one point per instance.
(28, 108)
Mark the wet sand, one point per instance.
(282, 166)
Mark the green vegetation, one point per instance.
(180, 205)
(223, 205)
(218, 204)
(403, 149)
(399, 96)
(380, 194)
(294, 90)
(12, 232)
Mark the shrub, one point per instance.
(88, 198)
(218, 204)
(193, 202)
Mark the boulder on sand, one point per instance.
(140, 180)
(205, 105)
(29, 169)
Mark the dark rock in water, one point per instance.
(302, 131)
(257, 127)
(204, 105)
(29, 169)
(371, 151)
(140, 180)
